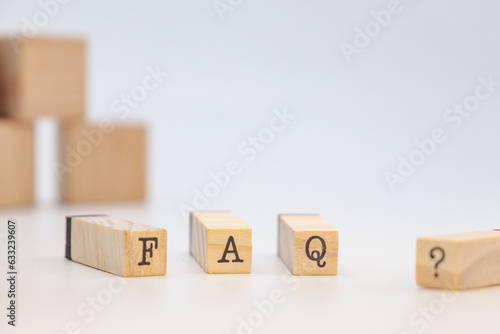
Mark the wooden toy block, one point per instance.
(221, 242)
(117, 246)
(42, 77)
(102, 163)
(308, 245)
(16, 169)
(459, 261)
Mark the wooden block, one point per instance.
(42, 77)
(221, 242)
(16, 168)
(117, 246)
(308, 245)
(102, 163)
(459, 261)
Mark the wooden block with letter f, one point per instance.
(117, 246)
(459, 261)
(308, 245)
(221, 242)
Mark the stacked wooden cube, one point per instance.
(46, 77)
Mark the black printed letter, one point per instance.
(230, 241)
(147, 250)
(315, 255)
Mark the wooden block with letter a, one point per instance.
(308, 245)
(117, 246)
(221, 242)
(102, 163)
(42, 77)
(459, 261)
(16, 167)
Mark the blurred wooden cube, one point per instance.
(16, 169)
(42, 77)
(102, 163)
(308, 245)
(221, 242)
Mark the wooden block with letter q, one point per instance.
(459, 261)
(16, 167)
(117, 246)
(221, 242)
(102, 163)
(42, 76)
(308, 245)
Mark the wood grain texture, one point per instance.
(42, 77)
(308, 245)
(17, 166)
(116, 246)
(104, 164)
(470, 260)
(212, 233)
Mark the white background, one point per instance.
(353, 122)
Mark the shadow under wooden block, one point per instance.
(102, 163)
(308, 245)
(459, 261)
(42, 77)
(16, 168)
(221, 242)
(117, 246)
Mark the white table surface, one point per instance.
(375, 291)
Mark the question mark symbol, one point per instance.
(440, 260)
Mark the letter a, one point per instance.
(230, 241)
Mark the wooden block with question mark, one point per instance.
(308, 244)
(459, 261)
